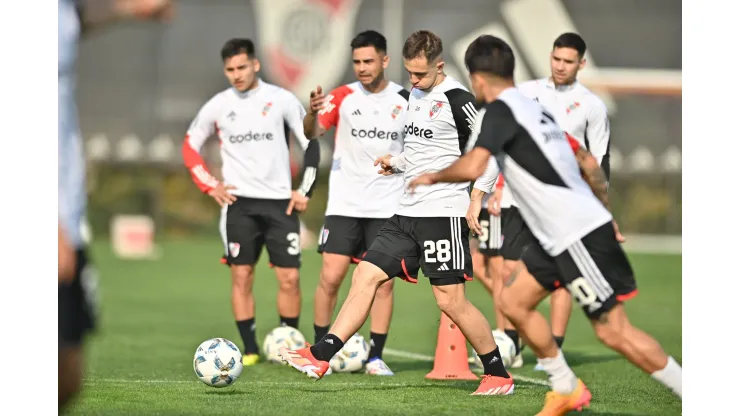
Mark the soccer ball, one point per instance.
(352, 357)
(506, 348)
(282, 336)
(218, 362)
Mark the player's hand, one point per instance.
(66, 258)
(425, 179)
(472, 216)
(494, 203)
(385, 165)
(221, 194)
(147, 9)
(317, 100)
(620, 237)
(297, 202)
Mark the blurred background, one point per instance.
(135, 110)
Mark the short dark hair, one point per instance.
(491, 55)
(369, 38)
(237, 46)
(571, 40)
(423, 43)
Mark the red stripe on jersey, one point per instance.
(197, 167)
(329, 115)
(574, 144)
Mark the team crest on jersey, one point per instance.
(266, 109)
(234, 249)
(435, 109)
(572, 107)
(396, 111)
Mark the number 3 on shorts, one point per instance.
(295, 244)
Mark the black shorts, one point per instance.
(78, 303)
(516, 235)
(489, 243)
(348, 236)
(437, 245)
(249, 224)
(595, 270)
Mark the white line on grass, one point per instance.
(388, 351)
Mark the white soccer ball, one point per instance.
(218, 362)
(282, 336)
(506, 348)
(352, 357)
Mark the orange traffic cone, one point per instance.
(451, 358)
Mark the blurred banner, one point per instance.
(135, 110)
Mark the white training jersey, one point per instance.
(540, 167)
(254, 132)
(368, 126)
(72, 195)
(578, 111)
(438, 125)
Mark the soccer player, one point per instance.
(77, 310)
(429, 229)
(582, 115)
(252, 120)
(488, 260)
(369, 116)
(568, 216)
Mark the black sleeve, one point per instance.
(497, 127)
(462, 104)
(405, 94)
(311, 160)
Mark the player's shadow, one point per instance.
(229, 392)
(399, 366)
(576, 358)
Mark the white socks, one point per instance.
(562, 378)
(670, 376)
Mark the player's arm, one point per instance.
(324, 112)
(598, 134)
(591, 170)
(462, 104)
(203, 127)
(95, 14)
(494, 127)
(294, 114)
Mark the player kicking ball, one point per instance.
(369, 117)
(576, 239)
(429, 230)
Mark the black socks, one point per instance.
(493, 365)
(511, 333)
(377, 343)
(291, 322)
(319, 332)
(325, 349)
(246, 330)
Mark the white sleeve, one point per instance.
(293, 113)
(488, 179)
(398, 163)
(203, 125)
(598, 130)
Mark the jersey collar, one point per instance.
(251, 93)
(562, 88)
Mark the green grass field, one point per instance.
(155, 313)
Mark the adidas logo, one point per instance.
(356, 113)
(443, 267)
(329, 341)
(493, 360)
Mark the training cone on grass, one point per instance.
(451, 358)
